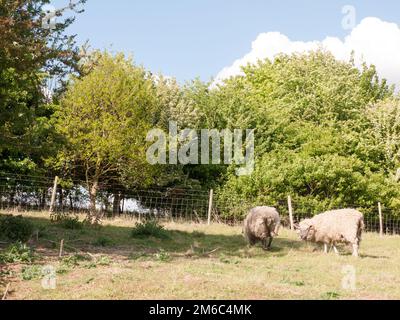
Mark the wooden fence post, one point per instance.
(53, 194)
(380, 219)
(290, 213)
(6, 292)
(61, 248)
(210, 203)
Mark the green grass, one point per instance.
(196, 261)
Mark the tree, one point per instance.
(30, 56)
(105, 116)
(381, 138)
(309, 112)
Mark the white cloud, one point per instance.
(373, 41)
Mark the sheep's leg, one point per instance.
(269, 242)
(355, 250)
(264, 244)
(251, 241)
(325, 248)
(335, 249)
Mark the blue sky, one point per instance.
(186, 39)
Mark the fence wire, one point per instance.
(25, 193)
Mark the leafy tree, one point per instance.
(30, 55)
(105, 116)
(380, 139)
(309, 111)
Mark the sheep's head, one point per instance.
(275, 231)
(305, 229)
(260, 229)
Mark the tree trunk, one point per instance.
(116, 204)
(93, 195)
(43, 200)
(71, 201)
(60, 197)
(123, 204)
(12, 198)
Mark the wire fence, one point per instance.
(26, 193)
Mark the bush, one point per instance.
(17, 252)
(149, 229)
(163, 256)
(31, 272)
(15, 228)
(103, 261)
(71, 223)
(73, 260)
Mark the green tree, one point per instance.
(309, 111)
(380, 139)
(30, 56)
(105, 116)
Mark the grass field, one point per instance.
(197, 261)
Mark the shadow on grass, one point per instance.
(117, 240)
(344, 250)
(364, 255)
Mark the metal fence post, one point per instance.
(210, 203)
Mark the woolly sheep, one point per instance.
(332, 227)
(261, 223)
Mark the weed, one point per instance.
(330, 295)
(17, 252)
(73, 260)
(104, 261)
(149, 229)
(63, 269)
(163, 256)
(31, 272)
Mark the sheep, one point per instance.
(332, 227)
(261, 223)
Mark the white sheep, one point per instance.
(332, 227)
(261, 223)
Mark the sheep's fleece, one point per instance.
(335, 226)
(261, 223)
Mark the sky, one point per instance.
(213, 38)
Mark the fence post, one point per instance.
(380, 219)
(210, 203)
(290, 212)
(61, 248)
(53, 194)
